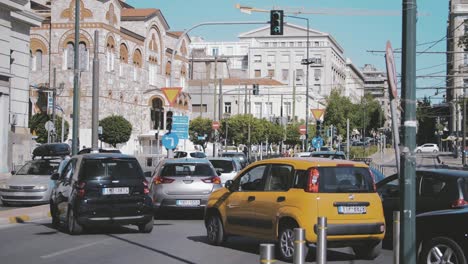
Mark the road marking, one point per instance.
(68, 250)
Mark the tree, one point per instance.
(37, 125)
(292, 134)
(115, 129)
(200, 127)
(426, 122)
(339, 108)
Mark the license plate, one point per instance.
(352, 210)
(188, 202)
(117, 190)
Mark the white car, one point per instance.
(189, 154)
(228, 167)
(428, 147)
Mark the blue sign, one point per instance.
(317, 142)
(180, 126)
(170, 141)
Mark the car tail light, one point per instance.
(80, 190)
(313, 181)
(214, 180)
(145, 187)
(459, 203)
(373, 180)
(162, 180)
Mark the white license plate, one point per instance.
(352, 210)
(117, 190)
(188, 202)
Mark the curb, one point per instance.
(18, 216)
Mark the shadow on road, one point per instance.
(179, 215)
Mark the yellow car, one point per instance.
(270, 198)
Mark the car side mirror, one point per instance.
(219, 172)
(13, 172)
(55, 176)
(229, 184)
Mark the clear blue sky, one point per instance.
(356, 34)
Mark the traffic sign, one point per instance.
(302, 129)
(171, 93)
(180, 126)
(49, 126)
(317, 113)
(215, 125)
(170, 141)
(391, 70)
(317, 142)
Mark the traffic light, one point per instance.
(255, 89)
(318, 131)
(169, 115)
(334, 131)
(276, 22)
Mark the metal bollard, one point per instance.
(321, 240)
(396, 237)
(299, 246)
(267, 253)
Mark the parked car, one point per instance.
(101, 189)
(31, 184)
(228, 167)
(442, 236)
(100, 150)
(189, 154)
(328, 154)
(436, 189)
(302, 154)
(239, 155)
(428, 147)
(270, 198)
(183, 184)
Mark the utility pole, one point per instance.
(54, 103)
(464, 131)
(408, 160)
(95, 107)
(294, 96)
(76, 82)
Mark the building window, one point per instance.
(271, 73)
(227, 107)
(298, 58)
(316, 44)
(84, 59)
(299, 44)
(465, 57)
(37, 66)
(214, 52)
(291, 44)
(283, 44)
(284, 58)
(270, 59)
(110, 57)
(284, 74)
(197, 108)
(317, 74)
(275, 44)
(268, 109)
(318, 88)
(157, 113)
(258, 109)
(70, 55)
(137, 64)
(257, 58)
(258, 73)
(300, 76)
(287, 109)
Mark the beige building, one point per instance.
(135, 48)
(16, 19)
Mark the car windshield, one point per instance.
(198, 155)
(345, 179)
(233, 155)
(106, 169)
(195, 169)
(225, 166)
(39, 167)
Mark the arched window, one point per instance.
(70, 55)
(152, 70)
(36, 61)
(123, 58)
(137, 63)
(157, 113)
(83, 56)
(110, 54)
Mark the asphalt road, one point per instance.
(179, 240)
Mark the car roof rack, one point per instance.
(51, 150)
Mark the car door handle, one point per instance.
(251, 198)
(281, 199)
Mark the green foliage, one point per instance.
(292, 134)
(426, 122)
(362, 152)
(37, 124)
(199, 127)
(115, 129)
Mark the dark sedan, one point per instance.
(443, 236)
(436, 189)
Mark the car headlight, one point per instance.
(40, 187)
(4, 186)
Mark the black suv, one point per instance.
(101, 188)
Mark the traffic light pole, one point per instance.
(76, 82)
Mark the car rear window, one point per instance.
(345, 179)
(110, 169)
(38, 167)
(174, 170)
(225, 165)
(198, 155)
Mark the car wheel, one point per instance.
(286, 241)
(418, 151)
(441, 250)
(73, 227)
(215, 230)
(435, 151)
(55, 217)
(146, 228)
(368, 251)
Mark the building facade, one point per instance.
(375, 84)
(135, 49)
(16, 19)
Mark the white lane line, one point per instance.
(68, 250)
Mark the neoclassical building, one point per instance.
(135, 49)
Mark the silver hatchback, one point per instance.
(183, 184)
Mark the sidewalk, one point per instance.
(22, 215)
(383, 158)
